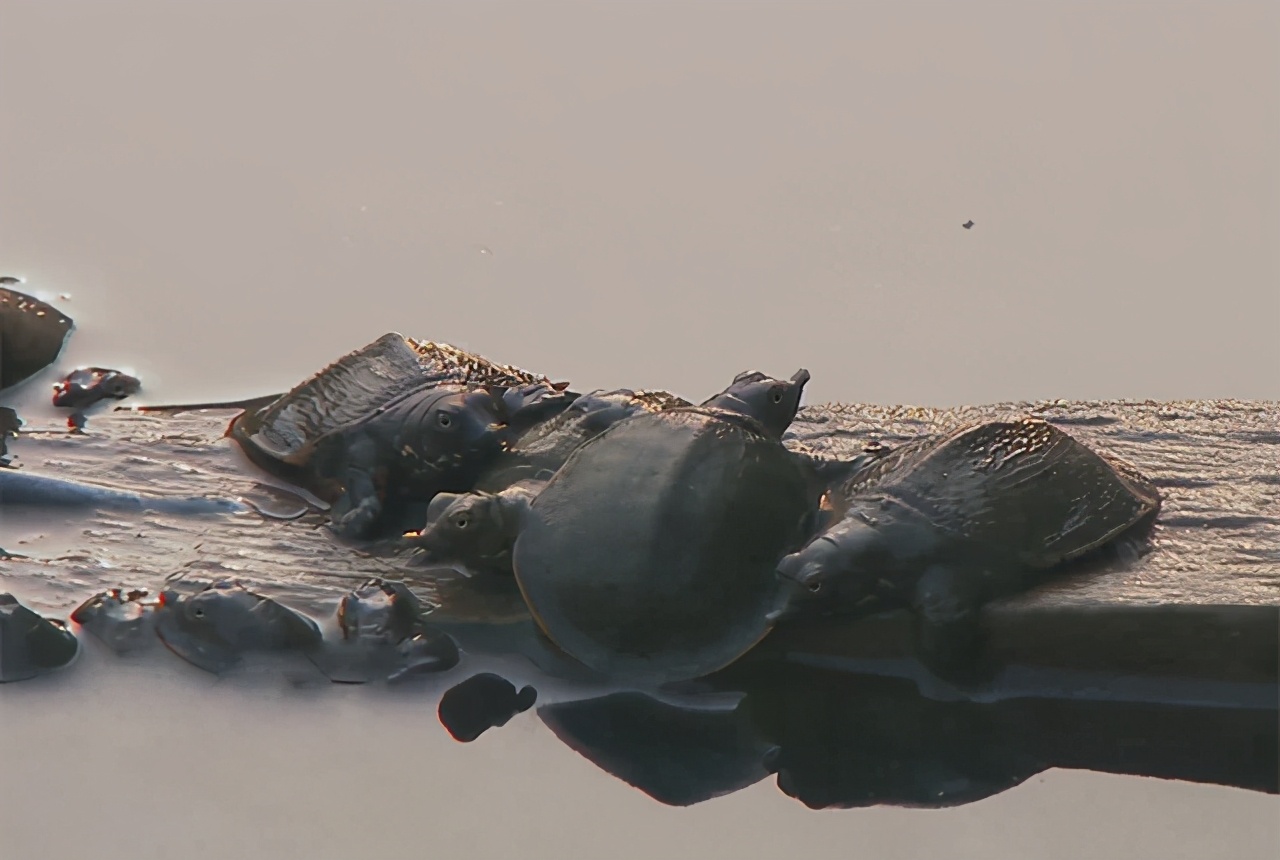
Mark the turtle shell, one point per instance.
(277, 435)
(547, 446)
(651, 553)
(1024, 486)
(32, 335)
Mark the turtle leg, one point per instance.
(948, 623)
(359, 507)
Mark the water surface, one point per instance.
(652, 195)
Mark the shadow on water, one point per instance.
(835, 740)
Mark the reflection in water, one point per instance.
(839, 740)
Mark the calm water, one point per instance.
(652, 196)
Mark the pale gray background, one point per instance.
(651, 194)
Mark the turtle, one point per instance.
(391, 424)
(945, 524)
(31, 644)
(382, 634)
(32, 336)
(215, 627)
(545, 446)
(477, 530)
(123, 619)
(651, 554)
(87, 386)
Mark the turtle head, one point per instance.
(463, 422)
(463, 528)
(772, 402)
(524, 406)
(835, 563)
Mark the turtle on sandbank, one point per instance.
(30, 644)
(477, 531)
(392, 424)
(382, 635)
(122, 619)
(945, 525)
(651, 553)
(217, 626)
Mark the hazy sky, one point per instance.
(658, 194)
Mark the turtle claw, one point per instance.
(357, 522)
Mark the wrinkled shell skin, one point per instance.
(994, 504)
(651, 553)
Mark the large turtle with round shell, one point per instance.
(477, 530)
(946, 524)
(650, 554)
(391, 425)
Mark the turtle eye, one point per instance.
(814, 586)
(198, 612)
(462, 521)
(776, 396)
(443, 419)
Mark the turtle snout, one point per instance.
(801, 570)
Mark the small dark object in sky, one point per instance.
(88, 385)
(9, 280)
(967, 225)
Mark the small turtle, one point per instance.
(89, 385)
(946, 524)
(482, 702)
(391, 425)
(546, 446)
(652, 552)
(383, 635)
(32, 336)
(478, 530)
(122, 619)
(213, 628)
(31, 644)
(772, 402)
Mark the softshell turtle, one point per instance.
(652, 552)
(547, 444)
(123, 619)
(478, 530)
(946, 524)
(31, 644)
(396, 421)
(32, 335)
(216, 626)
(88, 385)
(382, 634)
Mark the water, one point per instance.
(232, 197)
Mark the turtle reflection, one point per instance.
(837, 740)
